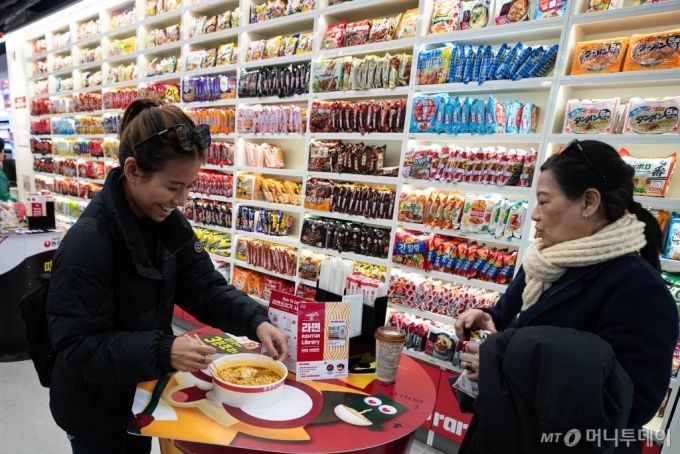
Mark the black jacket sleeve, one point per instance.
(81, 315)
(202, 292)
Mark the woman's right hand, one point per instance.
(474, 318)
(187, 352)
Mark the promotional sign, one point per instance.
(318, 335)
(447, 419)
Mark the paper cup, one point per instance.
(389, 345)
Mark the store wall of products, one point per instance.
(401, 135)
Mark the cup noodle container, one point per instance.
(389, 345)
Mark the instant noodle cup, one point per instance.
(654, 51)
(247, 380)
(601, 56)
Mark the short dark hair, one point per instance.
(574, 174)
(2, 145)
(142, 119)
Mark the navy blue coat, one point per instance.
(626, 303)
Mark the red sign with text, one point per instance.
(447, 419)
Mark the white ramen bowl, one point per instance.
(241, 396)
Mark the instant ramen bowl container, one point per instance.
(241, 396)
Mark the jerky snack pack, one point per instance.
(270, 256)
(361, 116)
(220, 154)
(281, 81)
(210, 212)
(337, 157)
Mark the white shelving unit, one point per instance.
(549, 93)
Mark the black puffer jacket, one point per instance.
(110, 310)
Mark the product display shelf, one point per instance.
(618, 139)
(288, 240)
(403, 44)
(391, 136)
(89, 41)
(351, 218)
(295, 174)
(633, 17)
(70, 197)
(217, 198)
(370, 179)
(432, 360)
(446, 277)
(535, 84)
(277, 61)
(262, 301)
(91, 180)
(664, 203)
(207, 71)
(441, 318)
(295, 99)
(244, 264)
(397, 92)
(197, 105)
(672, 266)
(211, 227)
(477, 138)
(512, 191)
(632, 79)
(280, 23)
(86, 65)
(224, 35)
(483, 238)
(220, 258)
(347, 255)
(226, 169)
(270, 206)
(307, 282)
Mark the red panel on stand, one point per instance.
(434, 373)
(653, 449)
(177, 311)
(448, 421)
(189, 318)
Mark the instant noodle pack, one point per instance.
(280, 46)
(204, 25)
(220, 154)
(348, 34)
(259, 119)
(273, 9)
(482, 165)
(617, 116)
(453, 255)
(208, 88)
(371, 71)
(465, 63)
(646, 52)
(442, 113)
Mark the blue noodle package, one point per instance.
(512, 111)
(438, 124)
(509, 60)
(457, 115)
(673, 242)
(527, 67)
(485, 64)
(490, 124)
(524, 54)
(546, 63)
(448, 116)
(527, 120)
(469, 64)
(456, 57)
(465, 116)
(501, 53)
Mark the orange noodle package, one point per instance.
(659, 50)
(601, 56)
(652, 175)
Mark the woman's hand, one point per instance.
(470, 360)
(474, 318)
(188, 354)
(274, 340)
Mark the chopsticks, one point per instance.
(212, 367)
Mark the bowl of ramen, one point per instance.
(247, 380)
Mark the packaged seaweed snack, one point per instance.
(601, 56)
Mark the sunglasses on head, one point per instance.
(576, 144)
(186, 136)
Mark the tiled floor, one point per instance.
(26, 425)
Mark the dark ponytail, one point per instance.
(142, 119)
(613, 178)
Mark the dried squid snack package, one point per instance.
(591, 116)
(659, 50)
(600, 56)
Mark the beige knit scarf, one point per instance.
(543, 266)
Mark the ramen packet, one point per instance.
(654, 51)
(512, 11)
(652, 175)
(591, 116)
(445, 14)
(546, 63)
(256, 50)
(356, 33)
(652, 116)
(600, 56)
(601, 5)
(272, 47)
(383, 29)
(289, 45)
(305, 43)
(526, 68)
(549, 8)
(408, 24)
(335, 35)
(475, 14)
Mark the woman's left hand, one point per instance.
(471, 356)
(274, 340)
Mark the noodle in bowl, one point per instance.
(248, 380)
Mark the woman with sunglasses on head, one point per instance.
(593, 269)
(117, 274)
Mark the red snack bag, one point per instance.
(356, 33)
(335, 36)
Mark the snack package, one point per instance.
(475, 14)
(549, 8)
(357, 33)
(601, 56)
(659, 50)
(652, 116)
(672, 250)
(327, 75)
(256, 50)
(652, 175)
(601, 5)
(305, 43)
(591, 116)
(445, 15)
(511, 11)
(335, 35)
(408, 26)
(433, 65)
(383, 29)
